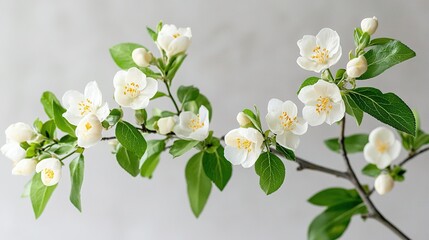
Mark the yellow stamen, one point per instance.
(320, 55)
(88, 126)
(176, 35)
(382, 147)
(195, 123)
(324, 104)
(85, 106)
(286, 121)
(132, 89)
(244, 144)
(49, 173)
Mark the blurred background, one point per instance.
(243, 53)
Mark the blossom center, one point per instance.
(176, 35)
(88, 126)
(321, 55)
(324, 104)
(286, 121)
(85, 106)
(195, 123)
(132, 89)
(382, 147)
(244, 144)
(49, 173)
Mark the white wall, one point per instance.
(243, 53)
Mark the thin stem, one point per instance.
(373, 212)
(108, 138)
(68, 155)
(171, 97)
(413, 155)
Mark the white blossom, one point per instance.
(79, 105)
(369, 25)
(13, 151)
(323, 103)
(319, 52)
(357, 66)
(141, 57)
(191, 126)
(242, 119)
(89, 131)
(166, 125)
(243, 146)
(382, 147)
(20, 132)
(133, 89)
(383, 183)
(25, 167)
(283, 120)
(174, 40)
(50, 170)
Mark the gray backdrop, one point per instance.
(243, 53)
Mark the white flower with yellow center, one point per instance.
(133, 89)
(89, 131)
(25, 167)
(323, 103)
(16, 134)
(319, 52)
(50, 170)
(382, 147)
(191, 126)
(174, 40)
(283, 121)
(79, 105)
(243, 146)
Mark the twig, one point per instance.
(413, 155)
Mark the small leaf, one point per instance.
(271, 171)
(47, 100)
(253, 118)
(199, 185)
(128, 160)
(187, 93)
(114, 116)
(371, 170)
(287, 153)
(398, 173)
(159, 95)
(61, 122)
(48, 129)
(40, 194)
(141, 116)
(382, 57)
(308, 82)
(152, 157)
(76, 178)
(122, 54)
(334, 196)
(152, 34)
(175, 66)
(217, 168)
(180, 147)
(387, 108)
(354, 143)
(131, 138)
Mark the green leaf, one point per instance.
(60, 121)
(333, 222)
(128, 160)
(308, 82)
(382, 57)
(203, 101)
(380, 41)
(27, 189)
(180, 147)
(141, 116)
(340, 75)
(76, 177)
(421, 140)
(130, 138)
(287, 153)
(334, 196)
(199, 185)
(47, 100)
(171, 72)
(37, 124)
(48, 129)
(352, 109)
(151, 160)
(387, 108)
(40, 194)
(121, 54)
(187, 93)
(62, 149)
(159, 95)
(271, 171)
(371, 170)
(152, 34)
(114, 116)
(217, 168)
(253, 118)
(357, 34)
(354, 143)
(398, 173)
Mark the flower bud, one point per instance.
(20, 132)
(141, 57)
(369, 25)
(242, 119)
(114, 144)
(384, 183)
(357, 66)
(166, 125)
(25, 167)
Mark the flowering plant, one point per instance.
(80, 119)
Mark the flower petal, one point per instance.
(370, 153)
(395, 150)
(306, 45)
(308, 95)
(103, 112)
(310, 65)
(301, 126)
(274, 123)
(93, 93)
(382, 134)
(275, 105)
(312, 116)
(290, 108)
(71, 98)
(288, 140)
(234, 155)
(151, 88)
(336, 113)
(329, 39)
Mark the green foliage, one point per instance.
(333, 196)
(152, 157)
(130, 138)
(40, 194)
(128, 160)
(187, 93)
(48, 129)
(203, 101)
(308, 82)
(141, 116)
(76, 177)
(271, 171)
(175, 65)
(47, 100)
(254, 118)
(159, 95)
(152, 33)
(352, 109)
(181, 146)
(383, 56)
(354, 143)
(371, 170)
(217, 168)
(380, 41)
(60, 121)
(199, 185)
(113, 118)
(122, 54)
(287, 153)
(387, 108)
(398, 173)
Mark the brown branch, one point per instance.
(412, 155)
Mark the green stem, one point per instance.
(171, 96)
(68, 155)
